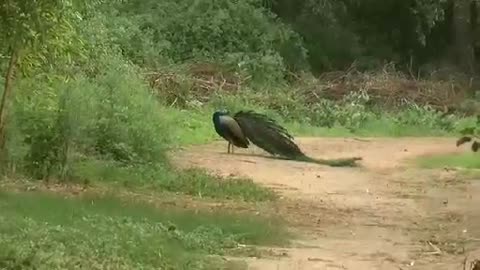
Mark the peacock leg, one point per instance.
(228, 148)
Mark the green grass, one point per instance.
(383, 127)
(195, 126)
(199, 183)
(46, 231)
(467, 160)
(195, 182)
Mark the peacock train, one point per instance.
(246, 127)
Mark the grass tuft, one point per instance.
(466, 160)
(198, 182)
(46, 231)
(195, 182)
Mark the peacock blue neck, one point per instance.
(216, 120)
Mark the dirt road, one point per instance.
(386, 214)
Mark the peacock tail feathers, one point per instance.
(262, 118)
(339, 162)
(268, 135)
(265, 133)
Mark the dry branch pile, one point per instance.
(388, 88)
(198, 82)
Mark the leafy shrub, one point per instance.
(288, 104)
(241, 34)
(114, 116)
(129, 124)
(427, 117)
(471, 134)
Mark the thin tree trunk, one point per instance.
(9, 79)
(463, 41)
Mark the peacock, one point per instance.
(229, 129)
(249, 126)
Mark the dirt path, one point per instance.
(383, 215)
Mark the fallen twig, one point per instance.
(437, 251)
(361, 140)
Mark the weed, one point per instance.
(471, 134)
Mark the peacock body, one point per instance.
(267, 134)
(228, 128)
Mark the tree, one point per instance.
(31, 30)
(463, 43)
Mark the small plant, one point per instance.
(471, 134)
(425, 116)
(351, 112)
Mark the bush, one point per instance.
(415, 115)
(241, 34)
(113, 116)
(471, 133)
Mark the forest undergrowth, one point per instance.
(101, 95)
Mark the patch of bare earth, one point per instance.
(385, 214)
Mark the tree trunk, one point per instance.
(9, 79)
(463, 41)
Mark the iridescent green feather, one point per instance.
(265, 133)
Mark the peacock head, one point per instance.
(222, 112)
(218, 113)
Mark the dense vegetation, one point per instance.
(100, 90)
(81, 75)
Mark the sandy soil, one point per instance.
(385, 214)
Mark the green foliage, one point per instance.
(425, 117)
(241, 34)
(354, 112)
(40, 231)
(336, 33)
(197, 182)
(471, 134)
(354, 115)
(331, 44)
(83, 112)
(194, 182)
(129, 120)
(114, 116)
(97, 106)
(39, 31)
(464, 160)
(351, 113)
(263, 38)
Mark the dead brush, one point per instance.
(197, 82)
(387, 88)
